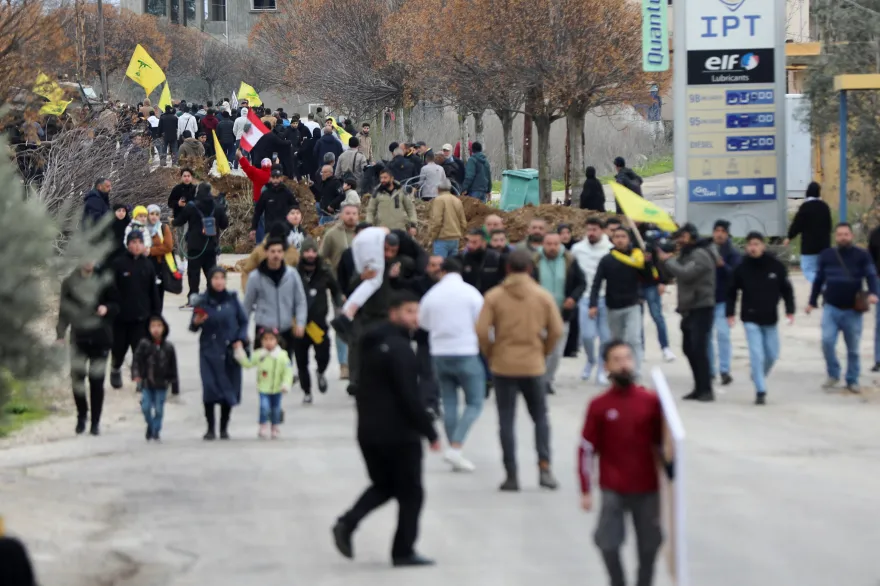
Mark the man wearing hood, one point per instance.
(202, 242)
(390, 206)
(209, 122)
(168, 131)
(477, 175)
(317, 280)
(588, 253)
(694, 271)
(190, 147)
(518, 326)
(121, 221)
(96, 203)
(135, 283)
(763, 280)
(275, 201)
(729, 259)
(328, 143)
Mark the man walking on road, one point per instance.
(449, 312)
(588, 253)
(812, 223)
(559, 275)
(694, 269)
(624, 430)
(763, 280)
(448, 221)
(204, 220)
(728, 261)
(527, 326)
(842, 270)
(392, 421)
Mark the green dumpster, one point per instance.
(519, 187)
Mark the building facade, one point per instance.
(227, 20)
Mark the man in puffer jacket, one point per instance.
(390, 206)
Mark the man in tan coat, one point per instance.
(527, 324)
(390, 207)
(448, 222)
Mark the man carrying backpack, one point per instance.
(205, 219)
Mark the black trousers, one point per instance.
(301, 355)
(574, 334)
(395, 472)
(88, 361)
(126, 335)
(199, 264)
(696, 327)
(428, 387)
(225, 412)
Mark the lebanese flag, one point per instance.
(256, 131)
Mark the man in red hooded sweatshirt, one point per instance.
(259, 178)
(624, 430)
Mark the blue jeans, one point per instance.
(478, 195)
(270, 408)
(323, 218)
(445, 248)
(809, 266)
(591, 328)
(341, 351)
(467, 373)
(848, 321)
(655, 307)
(722, 331)
(153, 406)
(763, 342)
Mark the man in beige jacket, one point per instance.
(448, 222)
(526, 324)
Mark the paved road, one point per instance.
(781, 495)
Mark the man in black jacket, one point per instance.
(88, 307)
(812, 223)
(135, 283)
(275, 201)
(391, 424)
(623, 271)
(330, 195)
(271, 143)
(202, 242)
(482, 266)
(181, 194)
(626, 177)
(317, 280)
(226, 136)
(401, 167)
(763, 280)
(168, 131)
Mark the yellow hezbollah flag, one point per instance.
(246, 92)
(340, 131)
(164, 99)
(641, 210)
(144, 71)
(48, 89)
(55, 108)
(220, 156)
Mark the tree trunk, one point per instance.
(479, 127)
(506, 117)
(527, 142)
(210, 90)
(102, 62)
(545, 181)
(463, 135)
(401, 131)
(574, 119)
(408, 123)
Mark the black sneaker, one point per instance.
(692, 396)
(726, 379)
(156, 437)
(116, 379)
(149, 434)
(322, 382)
(705, 397)
(351, 390)
(760, 399)
(80, 425)
(510, 484)
(209, 436)
(342, 539)
(95, 430)
(224, 435)
(412, 561)
(342, 325)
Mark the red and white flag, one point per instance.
(254, 133)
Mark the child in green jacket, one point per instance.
(274, 377)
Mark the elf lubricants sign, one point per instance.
(655, 36)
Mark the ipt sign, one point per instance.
(730, 24)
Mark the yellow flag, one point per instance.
(144, 71)
(340, 131)
(164, 99)
(48, 89)
(220, 156)
(246, 92)
(55, 108)
(641, 210)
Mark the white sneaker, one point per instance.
(668, 354)
(459, 463)
(602, 379)
(588, 372)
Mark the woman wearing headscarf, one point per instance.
(162, 246)
(593, 195)
(121, 220)
(223, 323)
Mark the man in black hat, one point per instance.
(694, 271)
(317, 280)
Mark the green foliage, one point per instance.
(851, 45)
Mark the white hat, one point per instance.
(447, 147)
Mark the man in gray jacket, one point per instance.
(276, 295)
(694, 272)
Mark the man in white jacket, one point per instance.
(187, 122)
(449, 312)
(588, 252)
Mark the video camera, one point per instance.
(655, 238)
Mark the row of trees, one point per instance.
(549, 59)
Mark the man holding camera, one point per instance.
(694, 271)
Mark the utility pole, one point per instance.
(102, 60)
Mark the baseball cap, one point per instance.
(277, 173)
(447, 147)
